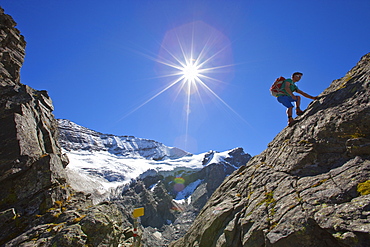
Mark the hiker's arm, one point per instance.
(305, 94)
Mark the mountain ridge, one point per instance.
(117, 145)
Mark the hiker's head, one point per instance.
(296, 76)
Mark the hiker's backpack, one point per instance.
(275, 88)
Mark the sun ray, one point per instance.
(153, 97)
(173, 56)
(223, 102)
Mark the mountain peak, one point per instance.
(76, 137)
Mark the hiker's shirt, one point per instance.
(293, 87)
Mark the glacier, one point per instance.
(100, 163)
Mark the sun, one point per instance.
(191, 71)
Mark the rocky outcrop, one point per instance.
(310, 187)
(75, 222)
(37, 206)
(31, 164)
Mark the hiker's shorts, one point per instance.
(286, 101)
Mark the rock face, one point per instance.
(310, 187)
(37, 206)
(31, 164)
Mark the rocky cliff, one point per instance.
(37, 206)
(310, 187)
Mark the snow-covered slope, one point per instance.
(99, 163)
(108, 171)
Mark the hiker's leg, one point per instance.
(298, 104)
(289, 112)
(286, 101)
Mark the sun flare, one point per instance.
(191, 72)
(195, 58)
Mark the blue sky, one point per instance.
(102, 63)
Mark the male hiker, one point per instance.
(286, 97)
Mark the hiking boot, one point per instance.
(299, 112)
(291, 121)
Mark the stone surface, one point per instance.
(309, 187)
